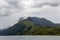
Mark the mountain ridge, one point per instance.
(32, 25)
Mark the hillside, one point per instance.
(32, 26)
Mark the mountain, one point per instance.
(40, 21)
(32, 26)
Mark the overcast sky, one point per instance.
(12, 10)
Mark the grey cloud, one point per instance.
(15, 3)
(3, 15)
(7, 13)
(14, 6)
(37, 5)
(52, 4)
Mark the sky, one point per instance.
(12, 10)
